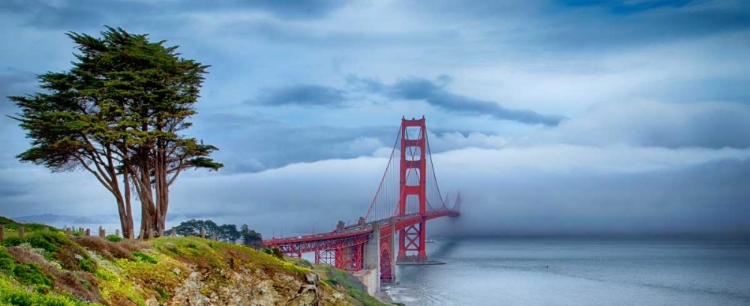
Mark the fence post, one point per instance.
(68, 232)
(173, 233)
(2, 232)
(117, 233)
(20, 231)
(203, 233)
(142, 235)
(88, 232)
(102, 232)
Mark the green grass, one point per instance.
(57, 247)
(25, 273)
(144, 257)
(219, 255)
(28, 227)
(70, 275)
(11, 294)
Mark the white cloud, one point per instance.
(651, 123)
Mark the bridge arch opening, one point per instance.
(413, 132)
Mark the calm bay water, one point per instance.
(578, 272)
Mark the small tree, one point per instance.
(193, 227)
(251, 237)
(228, 233)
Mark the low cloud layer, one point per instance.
(657, 124)
(506, 192)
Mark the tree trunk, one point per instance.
(161, 186)
(128, 207)
(142, 181)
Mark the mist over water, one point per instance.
(576, 271)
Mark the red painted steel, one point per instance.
(344, 247)
(412, 239)
(386, 255)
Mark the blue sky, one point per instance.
(550, 116)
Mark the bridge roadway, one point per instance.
(350, 236)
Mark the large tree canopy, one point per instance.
(119, 113)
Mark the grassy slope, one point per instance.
(48, 268)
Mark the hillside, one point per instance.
(46, 267)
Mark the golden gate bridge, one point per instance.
(407, 197)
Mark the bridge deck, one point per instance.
(352, 235)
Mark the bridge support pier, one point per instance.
(372, 254)
(388, 255)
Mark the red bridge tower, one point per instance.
(413, 175)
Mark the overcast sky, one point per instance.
(550, 116)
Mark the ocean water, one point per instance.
(578, 272)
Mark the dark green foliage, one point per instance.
(43, 289)
(31, 273)
(101, 102)
(228, 233)
(225, 232)
(144, 257)
(26, 273)
(87, 264)
(275, 252)
(29, 227)
(163, 294)
(114, 238)
(19, 299)
(193, 227)
(86, 284)
(57, 246)
(251, 237)
(23, 298)
(12, 241)
(50, 242)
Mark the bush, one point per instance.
(57, 246)
(105, 247)
(27, 273)
(278, 254)
(275, 252)
(114, 238)
(12, 241)
(22, 298)
(144, 257)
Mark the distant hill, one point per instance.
(67, 219)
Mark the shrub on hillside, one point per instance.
(106, 248)
(27, 273)
(114, 238)
(57, 246)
